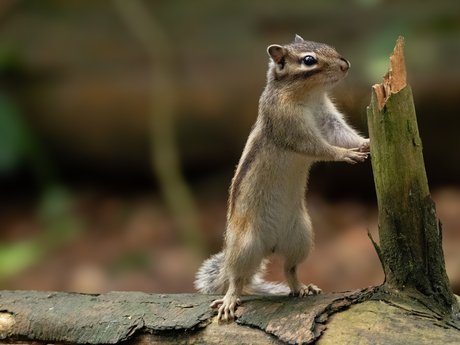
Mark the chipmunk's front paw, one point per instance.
(227, 307)
(353, 156)
(306, 290)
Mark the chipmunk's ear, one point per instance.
(298, 39)
(277, 53)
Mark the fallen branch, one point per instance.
(119, 316)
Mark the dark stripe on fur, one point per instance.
(267, 130)
(306, 74)
(295, 136)
(245, 165)
(297, 76)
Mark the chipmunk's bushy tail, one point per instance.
(211, 280)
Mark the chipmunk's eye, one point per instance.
(309, 60)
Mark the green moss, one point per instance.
(375, 322)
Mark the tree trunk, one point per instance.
(410, 238)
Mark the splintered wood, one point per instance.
(395, 79)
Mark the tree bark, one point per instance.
(134, 318)
(120, 316)
(410, 235)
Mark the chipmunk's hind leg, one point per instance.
(227, 305)
(296, 252)
(241, 263)
(297, 288)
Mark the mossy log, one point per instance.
(151, 318)
(134, 318)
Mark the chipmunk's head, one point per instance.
(306, 64)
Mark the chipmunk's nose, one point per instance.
(344, 65)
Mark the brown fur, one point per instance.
(243, 168)
(297, 126)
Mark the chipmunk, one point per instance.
(297, 125)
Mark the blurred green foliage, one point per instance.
(137, 260)
(19, 147)
(14, 139)
(60, 226)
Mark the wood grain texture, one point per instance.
(135, 318)
(120, 316)
(301, 320)
(377, 322)
(396, 78)
(98, 319)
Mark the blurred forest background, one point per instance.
(121, 123)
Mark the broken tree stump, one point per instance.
(410, 237)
